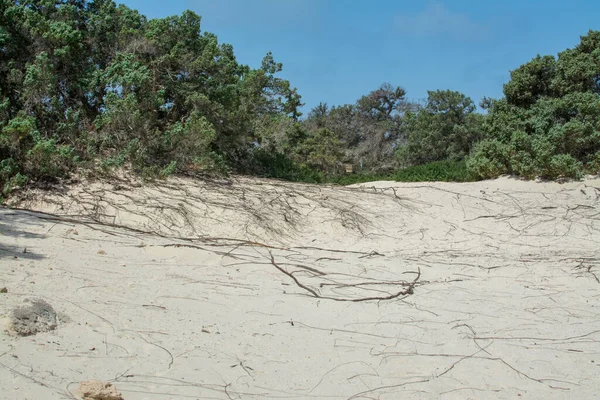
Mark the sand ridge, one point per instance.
(253, 288)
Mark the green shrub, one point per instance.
(593, 165)
(548, 124)
(168, 170)
(47, 159)
(279, 166)
(18, 135)
(8, 168)
(188, 145)
(29, 156)
(437, 171)
(442, 171)
(10, 177)
(345, 180)
(488, 159)
(15, 182)
(564, 166)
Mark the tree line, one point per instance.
(97, 85)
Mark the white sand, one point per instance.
(507, 304)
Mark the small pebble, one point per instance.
(4, 290)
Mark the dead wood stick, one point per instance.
(314, 293)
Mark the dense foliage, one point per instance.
(548, 123)
(90, 81)
(96, 84)
(436, 171)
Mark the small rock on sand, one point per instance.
(4, 290)
(99, 390)
(34, 316)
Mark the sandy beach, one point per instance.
(259, 289)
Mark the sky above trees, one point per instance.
(95, 85)
(335, 50)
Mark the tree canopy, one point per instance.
(548, 123)
(93, 80)
(96, 84)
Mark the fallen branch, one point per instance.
(407, 291)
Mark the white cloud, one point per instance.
(438, 21)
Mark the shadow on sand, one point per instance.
(15, 225)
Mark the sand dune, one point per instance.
(258, 289)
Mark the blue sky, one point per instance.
(337, 50)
